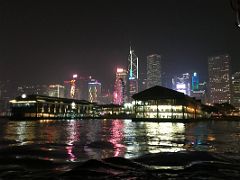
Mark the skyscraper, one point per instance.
(195, 81)
(132, 74)
(94, 91)
(154, 70)
(56, 90)
(120, 92)
(182, 84)
(236, 90)
(198, 89)
(71, 89)
(219, 79)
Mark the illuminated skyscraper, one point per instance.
(195, 81)
(56, 90)
(219, 79)
(154, 70)
(200, 92)
(71, 89)
(236, 90)
(94, 91)
(120, 92)
(132, 74)
(182, 84)
(198, 89)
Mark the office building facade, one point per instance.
(154, 70)
(56, 90)
(236, 90)
(219, 79)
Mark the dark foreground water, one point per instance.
(119, 149)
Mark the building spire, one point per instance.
(130, 47)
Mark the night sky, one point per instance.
(48, 41)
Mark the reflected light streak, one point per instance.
(161, 135)
(22, 131)
(73, 136)
(70, 153)
(130, 133)
(117, 137)
(72, 131)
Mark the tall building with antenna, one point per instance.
(132, 74)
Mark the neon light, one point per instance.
(119, 70)
(131, 67)
(181, 86)
(130, 74)
(75, 76)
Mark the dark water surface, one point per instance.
(119, 149)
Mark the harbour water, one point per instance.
(119, 149)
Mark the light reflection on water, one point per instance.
(77, 140)
(163, 135)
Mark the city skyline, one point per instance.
(119, 89)
(38, 37)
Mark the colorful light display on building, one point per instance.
(71, 87)
(182, 84)
(120, 93)
(94, 91)
(195, 81)
(132, 74)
